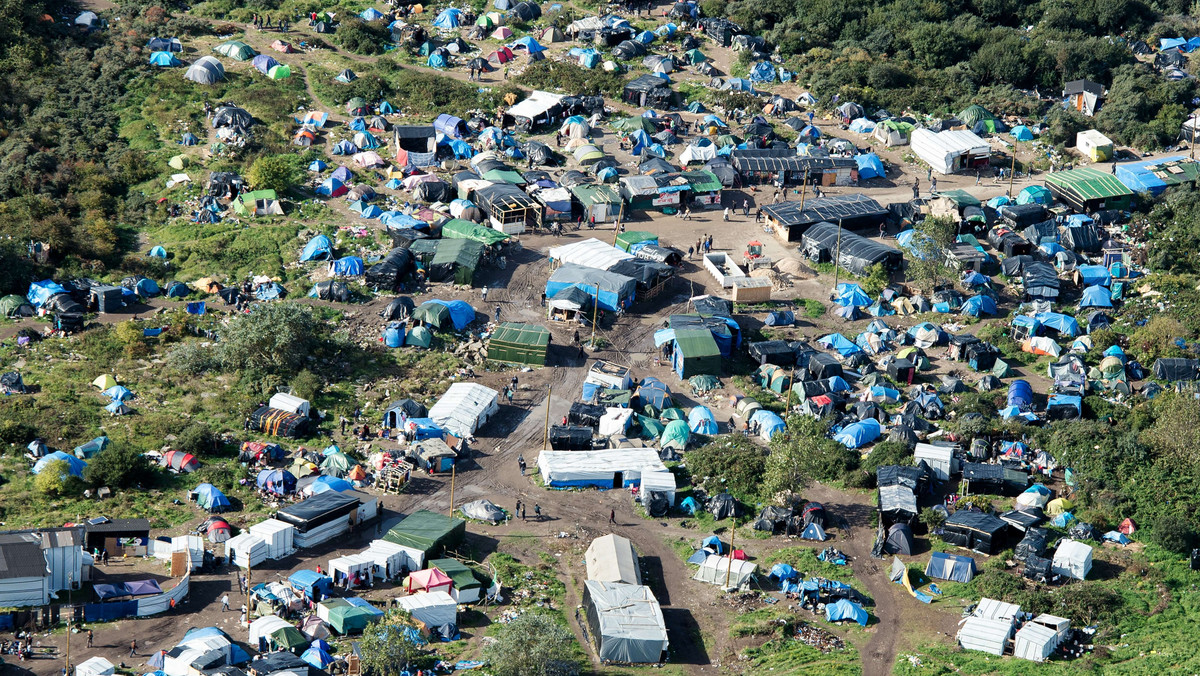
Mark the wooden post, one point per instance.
(595, 313)
(1192, 149)
(248, 572)
(453, 469)
(791, 383)
(70, 584)
(729, 563)
(546, 434)
(803, 190)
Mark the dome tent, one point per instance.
(205, 70)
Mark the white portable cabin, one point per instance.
(612, 558)
(1097, 146)
(659, 482)
(1072, 559)
(984, 635)
(951, 150)
(610, 375)
(279, 537)
(368, 506)
(192, 544)
(717, 569)
(246, 550)
(346, 566)
(940, 459)
(96, 666)
(389, 558)
(1060, 625)
(1035, 642)
(464, 408)
(434, 609)
(289, 403)
(615, 468)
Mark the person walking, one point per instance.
(484, 294)
(543, 299)
(133, 648)
(90, 637)
(979, 176)
(521, 463)
(537, 511)
(612, 516)
(690, 250)
(517, 511)
(522, 512)
(725, 216)
(497, 313)
(746, 209)
(932, 186)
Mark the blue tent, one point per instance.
(645, 37)
(850, 294)
(1116, 351)
(40, 292)
(654, 393)
(883, 394)
(780, 318)
(1021, 133)
(400, 221)
(319, 248)
(344, 147)
(277, 481)
(1020, 395)
(836, 341)
(211, 498)
(869, 166)
(164, 59)
(269, 291)
(1093, 275)
(782, 571)
(1117, 537)
(739, 84)
(1035, 194)
(702, 421)
(1066, 400)
(328, 483)
(689, 505)
(94, 446)
(317, 166)
(394, 184)
(1063, 520)
(979, 305)
(844, 609)
(814, 531)
(862, 125)
(449, 18)
(762, 71)
(435, 60)
(308, 581)
(358, 124)
(714, 542)
(997, 202)
(1096, 296)
(74, 465)
(371, 14)
(769, 424)
(316, 657)
(371, 211)
(667, 29)
(118, 393)
(146, 288)
(461, 312)
(1064, 324)
(332, 188)
(190, 139)
(973, 278)
(158, 252)
(350, 266)
(859, 434)
(528, 43)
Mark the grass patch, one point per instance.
(805, 561)
(528, 585)
(813, 308)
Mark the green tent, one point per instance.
(433, 314)
(675, 435)
(236, 50)
(703, 181)
(626, 240)
(337, 464)
(459, 229)
(629, 125)
(15, 306)
(1001, 369)
(179, 162)
(288, 638)
(725, 140)
(672, 413)
(612, 397)
(418, 336)
(504, 176)
(694, 56)
(464, 578)
(961, 198)
(703, 383)
(457, 258)
(428, 531)
(974, 113)
(519, 344)
(651, 427)
(485, 21)
(696, 352)
(350, 619)
(279, 72)
(246, 204)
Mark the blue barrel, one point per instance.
(393, 336)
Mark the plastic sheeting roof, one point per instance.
(590, 253)
(630, 622)
(464, 407)
(560, 468)
(612, 558)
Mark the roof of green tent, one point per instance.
(974, 113)
(676, 431)
(961, 197)
(427, 531)
(464, 252)
(434, 313)
(460, 229)
(504, 176)
(702, 181)
(632, 124)
(348, 619)
(522, 334)
(1089, 183)
(651, 427)
(696, 343)
(461, 573)
(628, 239)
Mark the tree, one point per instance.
(803, 455)
(931, 242)
(55, 479)
(275, 339)
(731, 463)
(307, 385)
(388, 648)
(1173, 532)
(1157, 339)
(120, 466)
(275, 172)
(533, 644)
(197, 439)
(1176, 429)
(876, 279)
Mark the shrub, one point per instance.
(361, 37)
(307, 385)
(119, 466)
(55, 480)
(1172, 531)
(197, 439)
(731, 463)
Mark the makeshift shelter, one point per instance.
(464, 408)
(844, 609)
(205, 70)
(720, 569)
(272, 631)
(625, 621)
(1089, 190)
(950, 151)
(519, 344)
(612, 558)
(427, 532)
(433, 609)
(210, 498)
(1072, 559)
(983, 533)
(951, 567)
(985, 635)
(615, 468)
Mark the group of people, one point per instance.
(520, 510)
(703, 245)
(264, 23)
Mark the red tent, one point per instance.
(1127, 527)
(430, 579)
(502, 55)
(218, 530)
(179, 461)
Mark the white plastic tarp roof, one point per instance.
(96, 666)
(716, 569)
(1035, 642)
(590, 253)
(383, 552)
(289, 403)
(660, 482)
(940, 149)
(615, 421)
(630, 622)
(612, 558)
(989, 636)
(695, 153)
(536, 104)
(1072, 559)
(435, 609)
(991, 609)
(265, 626)
(464, 407)
(566, 467)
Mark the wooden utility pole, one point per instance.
(248, 568)
(453, 468)
(803, 190)
(791, 383)
(546, 432)
(1192, 149)
(595, 313)
(70, 584)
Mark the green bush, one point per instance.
(55, 480)
(1174, 532)
(119, 466)
(197, 439)
(361, 37)
(571, 78)
(733, 464)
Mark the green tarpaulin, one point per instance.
(519, 344)
(289, 638)
(460, 229)
(696, 353)
(428, 531)
(462, 255)
(350, 619)
(626, 240)
(1085, 188)
(463, 576)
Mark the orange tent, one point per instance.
(429, 580)
(357, 474)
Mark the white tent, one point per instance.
(465, 407)
(989, 636)
(178, 662)
(717, 569)
(1072, 559)
(603, 469)
(659, 482)
(590, 253)
(96, 666)
(626, 622)
(390, 558)
(612, 558)
(949, 151)
(435, 609)
(615, 421)
(535, 106)
(991, 609)
(346, 566)
(246, 550)
(289, 403)
(1035, 642)
(698, 153)
(939, 458)
(279, 537)
(265, 626)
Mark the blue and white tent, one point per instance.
(118, 393)
(859, 434)
(74, 465)
(371, 14)
(850, 294)
(449, 18)
(840, 343)
(1064, 324)
(976, 306)
(702, 421)
(862, 125)
(769, 424)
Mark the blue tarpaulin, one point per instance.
(1093, 275)
(40, 292)
(461, 312)
(1064, 324)
(1096, 296)
(702, 421)
(107, 612)
(846, 610)
(836, 341)
(1020, 395)
(859, 434)
(350, 266)
(979, 305)
(869, 166)
(74, 465)
(769, 424)
(849, 293)
(780, 318)
(426, 428)
(762, 71)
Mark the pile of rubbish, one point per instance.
(818, 638)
